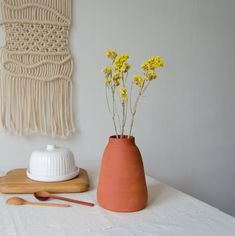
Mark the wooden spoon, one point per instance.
(44, 196)
(21, 201)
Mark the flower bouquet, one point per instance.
(116, 78)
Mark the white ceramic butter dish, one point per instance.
(52, 164)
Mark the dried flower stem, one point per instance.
(133, 111)
(123, 118)
(107, 100)
(118, 117)
(131, 98)
(133, 114)
(113, 111)
(124, 110)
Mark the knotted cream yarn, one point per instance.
(36, 67)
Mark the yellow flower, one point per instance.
(107, 81)
(120, 61)
(122, 57)
(138, 80)
(107, 70)
(116, 82)
(125, 67)
(117, 76)
(145, 66)
(111, 54)
(152, 63)
(150, 75)
(161, 62)
(123, 94)
(157, 61)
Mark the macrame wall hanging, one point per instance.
(36, 67)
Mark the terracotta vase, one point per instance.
(122, 186)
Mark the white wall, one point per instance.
(185, 126)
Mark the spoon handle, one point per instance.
(72, 200)
(46, 204)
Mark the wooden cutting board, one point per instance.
(16, 181)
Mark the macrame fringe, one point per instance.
(29, 106)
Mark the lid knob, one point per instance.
(51, 147)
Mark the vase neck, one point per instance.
(114, 139)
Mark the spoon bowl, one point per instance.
(41, 196)
(15, 201)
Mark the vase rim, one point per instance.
(120, 140)
(121, 137)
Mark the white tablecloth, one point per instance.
(169, 213)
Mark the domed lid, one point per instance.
(52, 149)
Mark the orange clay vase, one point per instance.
(122, 186)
